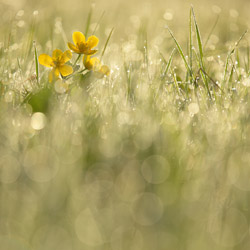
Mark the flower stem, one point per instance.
(77, 59)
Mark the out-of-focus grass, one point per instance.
(155, 156)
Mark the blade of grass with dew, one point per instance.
(107, 41)
(230, 79)
(190, 44)
(176, 83)
(169, 62)
(20, 68)
(230, 54)
(30, 37)
(198, 36)
(36, 62)
(163, 58)
(238, 63)
(247, 58)
(179, 49)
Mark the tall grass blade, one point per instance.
(190, 44)
(169, 63)
(36, 62)
(231, 52)
(198, 36)
(179, 49)
(107, 41)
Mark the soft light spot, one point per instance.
(238, 170)
(123, 118)
(246, 82)
(87, 229)
(9, 96)
(61, 87)
(40, 163)
(193, 108)
(147, 209)
(135, 20)
(126, 238)
(9, 169)
(38, 121)
(234, 13)
(129, 183)
(35, 12)
(155, 169)
(20, 13)
(135, 55)
(20, 23)
(168, 15)
(228, 227)
(216, 9)
(12, 242)
(51, 237)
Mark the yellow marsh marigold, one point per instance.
(81, 46)
(57, 63)
(96, 65)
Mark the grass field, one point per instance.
(148, 148)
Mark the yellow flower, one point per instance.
(81, 46)
(96, 65)
(57, 63)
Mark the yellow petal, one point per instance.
(74, 48)
(66, 70)
(66, 56)
(92, 63)
(56, 55)
(105, 70)
(90, 52)
(85, 60)
(53, 75)
(96, 63)
(57, 72)
(92, 41)
(78, 38)
(45, 60)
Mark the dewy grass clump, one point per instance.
(141, 144)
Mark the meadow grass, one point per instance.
(154, 155)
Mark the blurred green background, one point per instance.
(127, 162)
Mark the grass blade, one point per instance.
(169, 63)
(36, 62)
(198, 36)
(179, 49)
(199, 42)
(231, 53)
(190, 45)
(107, 41)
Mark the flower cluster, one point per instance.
(59, 59)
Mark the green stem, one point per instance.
(77, 59)
(82, 71)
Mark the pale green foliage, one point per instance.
(154, 156)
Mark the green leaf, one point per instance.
(40, 101)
